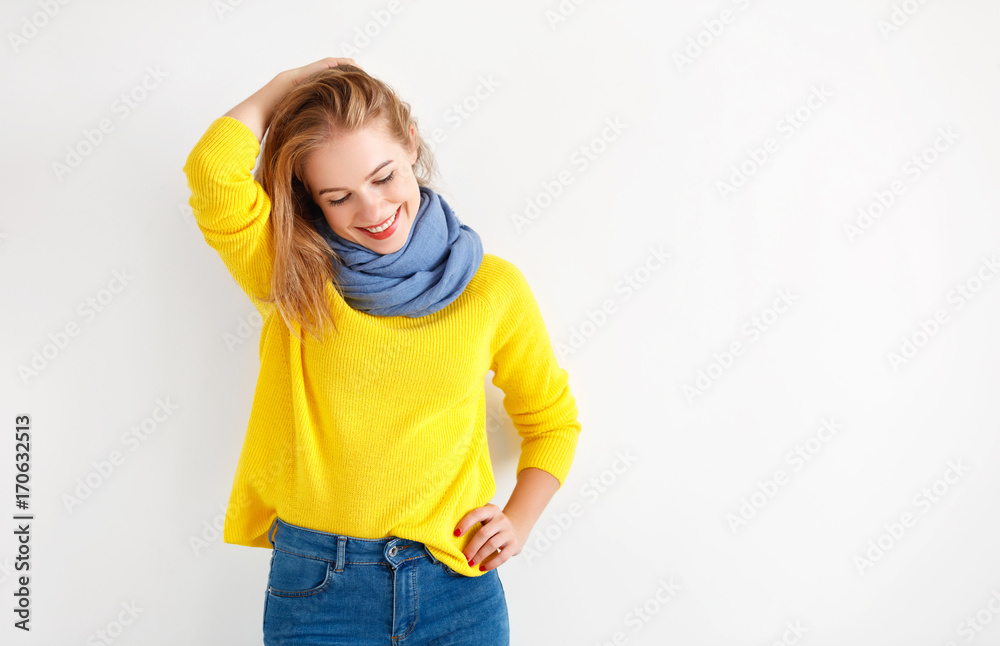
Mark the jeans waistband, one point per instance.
(341, 549)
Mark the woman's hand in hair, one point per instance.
(296, 75)
(256, 110)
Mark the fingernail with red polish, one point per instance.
(458, 532)
(470, 563)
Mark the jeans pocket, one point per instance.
(295, 575)
(450, 571)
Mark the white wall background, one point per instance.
(642, 551)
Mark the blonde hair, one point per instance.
(339, 99)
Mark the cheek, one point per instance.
(336, 220)
(402, 192)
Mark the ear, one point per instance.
(413, 144)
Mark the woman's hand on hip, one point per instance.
(498, 533)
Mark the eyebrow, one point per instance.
(370, 175)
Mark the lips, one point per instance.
(378, 224)
(389, 230)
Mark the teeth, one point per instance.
(383, 227)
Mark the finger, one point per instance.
(490, 547)
(475, 550)
(325, 63)
(333, 61)
(298, 75)
(472, 517)
(493, 562)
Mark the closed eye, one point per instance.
(384, 180)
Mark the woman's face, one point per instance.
(365, 179)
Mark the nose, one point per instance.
(370, 210)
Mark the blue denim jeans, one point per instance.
(339, 590)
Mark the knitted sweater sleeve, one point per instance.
(536, 389)
(231, 208)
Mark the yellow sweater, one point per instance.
(379, 430)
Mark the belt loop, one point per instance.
(271, 529)
(341, 549)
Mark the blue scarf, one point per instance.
(432, 268)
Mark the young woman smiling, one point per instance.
(365, 466)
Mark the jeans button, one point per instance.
(392, 551)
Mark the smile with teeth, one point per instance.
(386, 225)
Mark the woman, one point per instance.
(365, 465)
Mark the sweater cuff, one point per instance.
(552, 452)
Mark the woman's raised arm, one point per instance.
(256, 110)
(231, 208)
